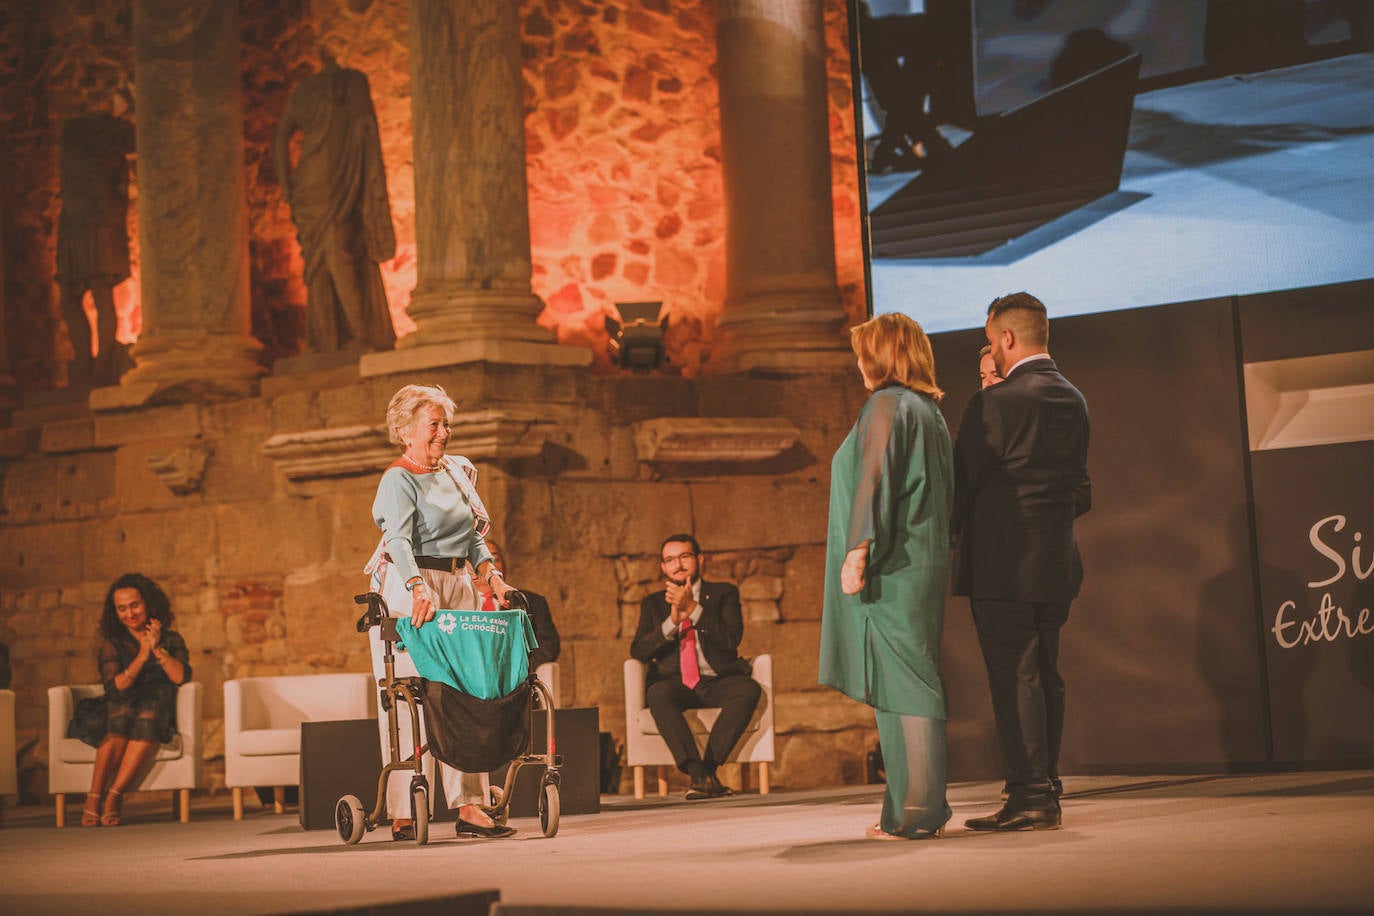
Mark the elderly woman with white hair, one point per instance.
(433, 523)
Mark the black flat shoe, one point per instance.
(403, 832)
(494, 832)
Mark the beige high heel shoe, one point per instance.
(90, 814)
(112, 813)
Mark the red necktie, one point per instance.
(687, 653)
(489, 601)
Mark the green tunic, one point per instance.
(892, 483)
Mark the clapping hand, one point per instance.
(150, 637)
(680, 600)
(852, 572)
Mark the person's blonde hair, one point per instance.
(408, 401)
(893, 350)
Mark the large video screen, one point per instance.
(1108, 154)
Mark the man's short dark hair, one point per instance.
(1025, 314)
(679, 539)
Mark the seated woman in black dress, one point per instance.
(142, 662)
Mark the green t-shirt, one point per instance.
(484, 654)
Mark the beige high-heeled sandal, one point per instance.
(90, 814)
(111, 815)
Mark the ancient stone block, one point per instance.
(57, 487)
(627, 517)
(583, 600)
(40, 554)
(256, 538)
(318, 617)
(803, 584)
(599, 672)
(123, 427)
(747, 513)
(795, 648)
(67, 436)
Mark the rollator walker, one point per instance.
(350, 818)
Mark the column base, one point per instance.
(185, 367)
(783, 333)
(472, 350)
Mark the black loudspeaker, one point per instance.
(577, 732)
(337, 759)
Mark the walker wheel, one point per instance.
(419, 810)
(350, 820)
(549, 809)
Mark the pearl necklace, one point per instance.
(423, 467)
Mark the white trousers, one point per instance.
(454, 591)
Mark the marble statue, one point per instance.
(93, 240)
(338, 198)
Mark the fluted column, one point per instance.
(473, 300)
(192, 212)
(782, 308)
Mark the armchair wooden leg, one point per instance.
(662, 781)
(61, 800)
(639, 788)
(278, 799)
(763, 778)
(237, 792)
(185, 814)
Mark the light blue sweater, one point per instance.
(426, 514)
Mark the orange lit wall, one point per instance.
(623, 154)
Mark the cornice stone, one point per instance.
(700, 439)
(485, 435)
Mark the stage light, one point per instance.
(637, 337)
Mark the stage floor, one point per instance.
(1230, 186)
(1276, 843)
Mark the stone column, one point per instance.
(9, 388)
(192, 213)
(473, 301)
(782, 308)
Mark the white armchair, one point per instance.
(645, 747)
(262, 725)
(9, 749)
(71, 762)
(548, 673)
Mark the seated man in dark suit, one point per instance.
(545, 632)
(689, 636)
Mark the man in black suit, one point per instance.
(689, 636)
(545, 631)
(1021, 478)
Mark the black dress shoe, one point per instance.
(708, 787)
(494, 832)
(1010, 818)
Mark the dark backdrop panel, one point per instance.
(1336, 318)
(1321, 689)
(1161, 651)
(1314, 511)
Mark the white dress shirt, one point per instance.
(670, 630)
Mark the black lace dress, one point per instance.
(147, 710)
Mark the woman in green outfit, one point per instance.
(887, 566)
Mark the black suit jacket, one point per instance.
(1020, 479)
(544, 631)
(719, 630)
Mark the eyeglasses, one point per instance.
(678, 559)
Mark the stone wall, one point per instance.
(262, 569)
(622, 152)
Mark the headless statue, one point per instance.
(93, 240)
(339, 204)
